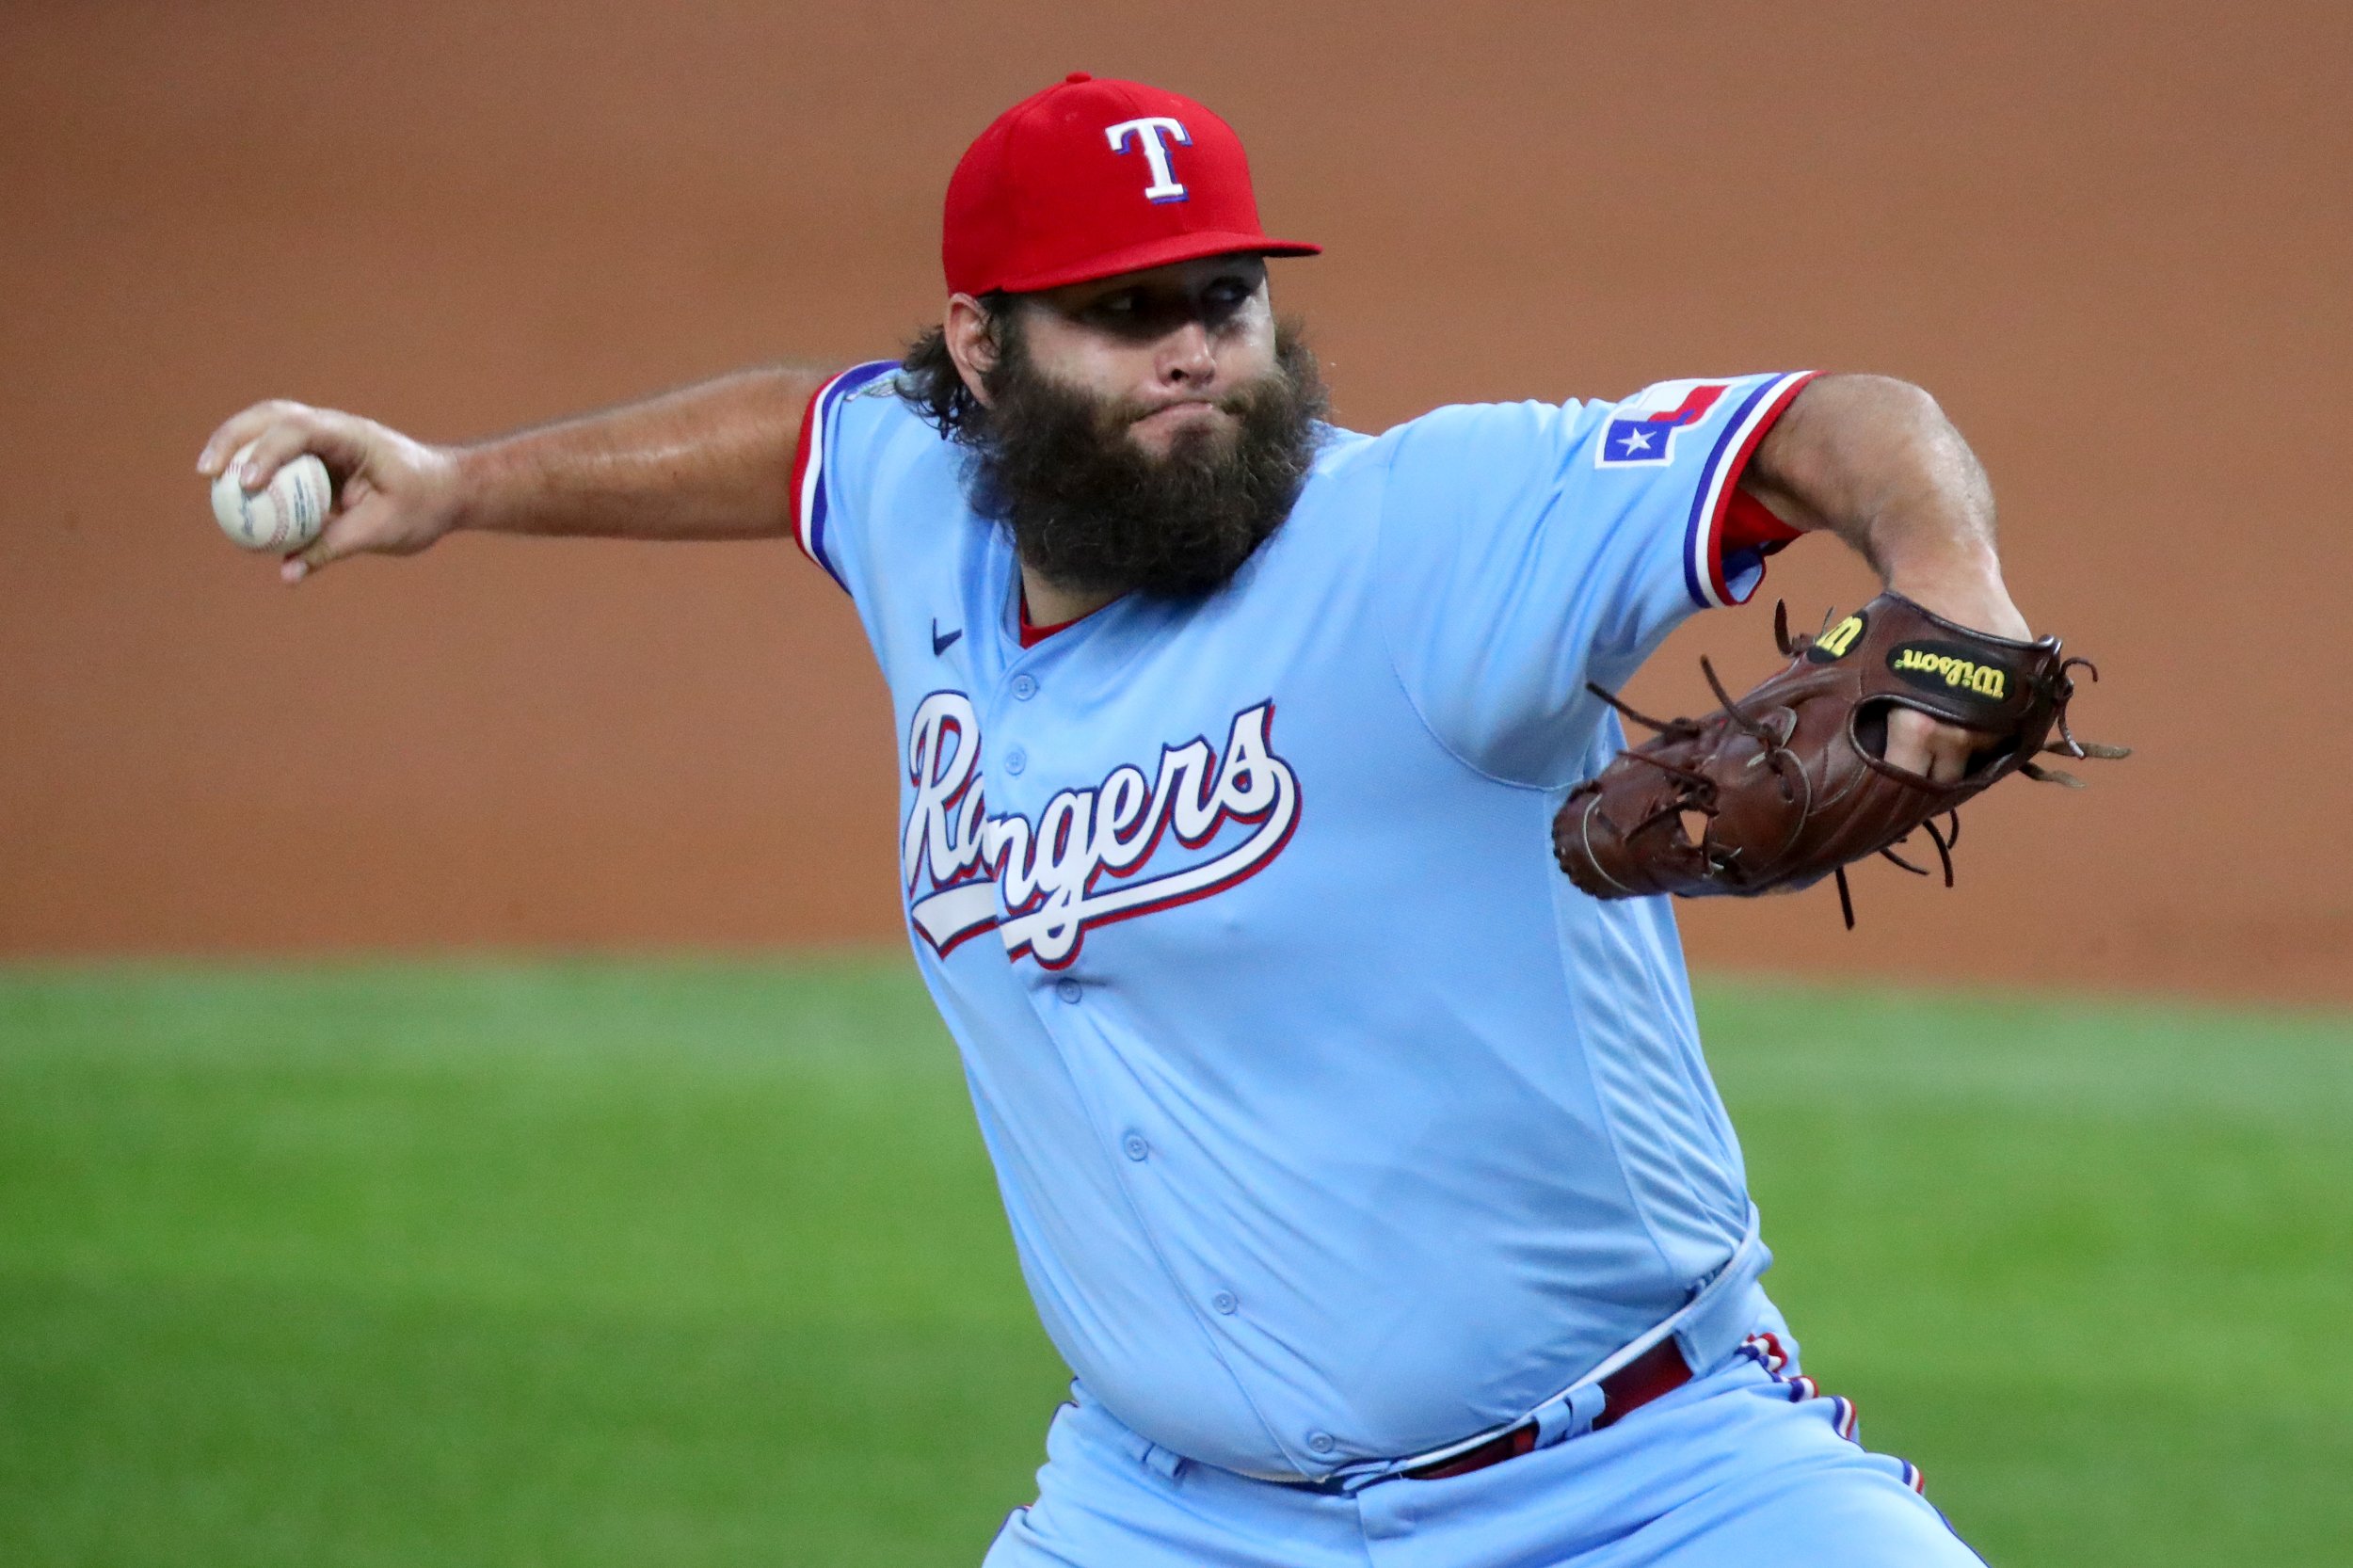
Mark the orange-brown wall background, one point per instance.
(2115, 239)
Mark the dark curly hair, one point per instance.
(930, 383)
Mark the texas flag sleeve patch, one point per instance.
(1696, 436)
(1644, 437)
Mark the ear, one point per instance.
(971, 340)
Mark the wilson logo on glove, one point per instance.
(1831, 645)
(1941, 667)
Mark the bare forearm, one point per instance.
(710, 462)
(1875, 462)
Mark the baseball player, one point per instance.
(1367, 1174)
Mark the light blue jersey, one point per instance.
(1332, 1123)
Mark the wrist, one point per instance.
(462, 481)
(1963, 585)
(1965, 588)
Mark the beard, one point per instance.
(1091, 510)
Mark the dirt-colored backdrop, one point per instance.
(2115, 239)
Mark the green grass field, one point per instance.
(688, 1264)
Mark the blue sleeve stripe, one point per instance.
(1703, 570)
(815, 502)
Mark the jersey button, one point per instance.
(1066, 989)
(1135, 1145)
(1321, 1442)
(1024, 687)
(1224, 1301)
(1016, 760)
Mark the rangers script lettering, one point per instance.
(1047, 872)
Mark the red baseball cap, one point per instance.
(1089, 178)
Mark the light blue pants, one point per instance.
(1746, 1467)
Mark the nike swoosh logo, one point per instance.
(941, 645)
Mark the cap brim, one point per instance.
(1159, 252)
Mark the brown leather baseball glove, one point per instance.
(1785, 786)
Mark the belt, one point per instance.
(1659, 1371)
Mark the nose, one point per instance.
(1185, 359)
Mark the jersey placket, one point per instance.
(1020, 723)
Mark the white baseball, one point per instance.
(283, 515)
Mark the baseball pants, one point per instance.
(1745, 1467)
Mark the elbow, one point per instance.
(1878, 423)
(1855, 447)
(1889, 397)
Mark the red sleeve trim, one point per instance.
(1722, 499)
(1750, 524)
(802, 447)
(810, 482)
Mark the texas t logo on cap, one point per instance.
(1146, 134)
(1090, 179)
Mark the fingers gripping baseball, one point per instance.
(393, 496)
